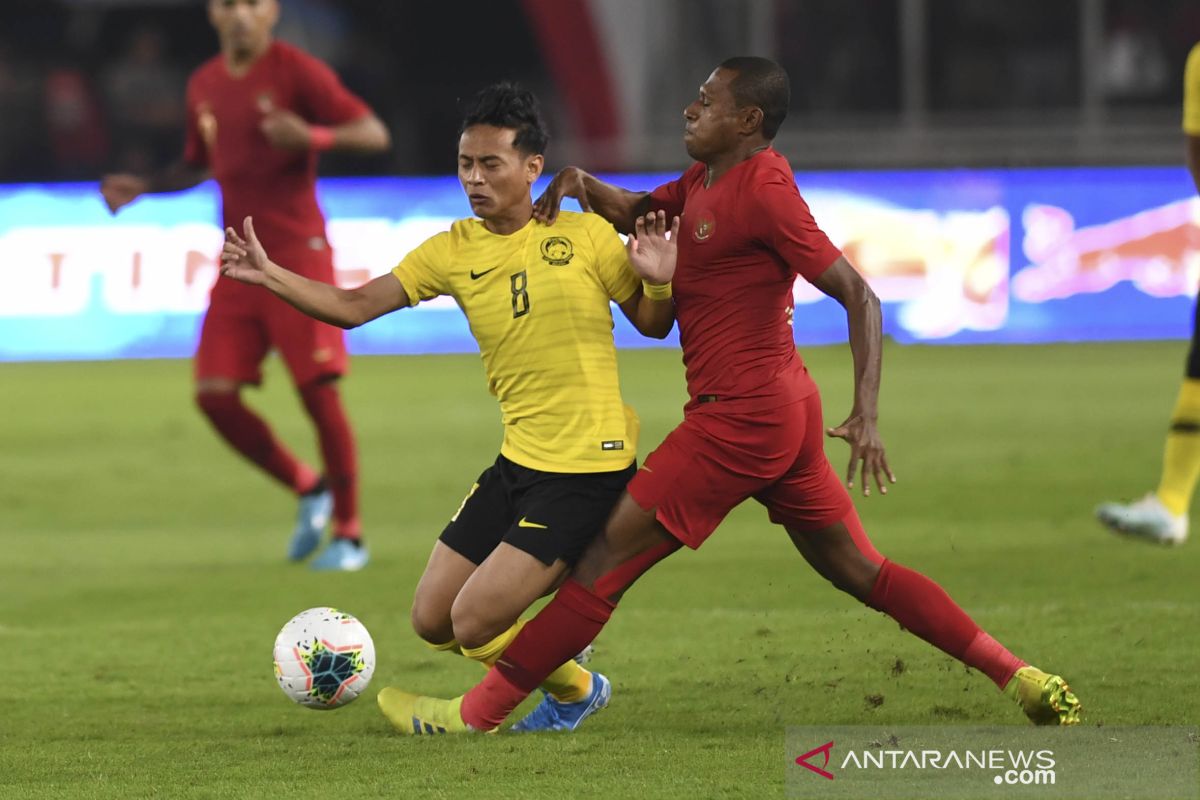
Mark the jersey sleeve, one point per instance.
(1191, 93)
(422, 272)
(612, 262)
(195, 153)
(670, 197)
(323, 98)
(781, 221)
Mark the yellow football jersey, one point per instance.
(1191, 93)
(537, 302)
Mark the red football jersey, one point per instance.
(742, 242)
(277, 187)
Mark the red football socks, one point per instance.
(247, 433)
(560, 630)
(324, 405)
(924, 608)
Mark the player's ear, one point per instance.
(750, 119)
(534, 166)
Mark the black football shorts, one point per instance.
(550, 515)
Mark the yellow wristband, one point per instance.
(657, 291)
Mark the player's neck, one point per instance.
(510, 222)
(727, 161)
(238, 64)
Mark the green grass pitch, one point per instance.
(142, 582)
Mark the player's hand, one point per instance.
(121, 189)
(285, 130)
(245, 259)
(866, 453)
(567, 183)
(652, 248)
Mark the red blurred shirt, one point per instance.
(742, 243)
(277, 187)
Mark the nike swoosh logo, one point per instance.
(477, 275)
(524, 523)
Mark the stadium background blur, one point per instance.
(143, 581)
(97, 84)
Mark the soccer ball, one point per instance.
(324, 658)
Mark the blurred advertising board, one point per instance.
(970, 256)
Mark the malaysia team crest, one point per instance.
(557, 251)
(705, 225)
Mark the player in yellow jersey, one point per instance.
(1162, 515)
(537, 300)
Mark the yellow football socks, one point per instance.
(1181, 456)
(449, 647)
(487, 654)
(570, 683)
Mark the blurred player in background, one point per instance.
(1162, 515)
(753, 425)
(537, 300)
(258, 114)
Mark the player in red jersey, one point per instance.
(752, 427)
(258, 114)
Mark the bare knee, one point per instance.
(430, 623)
(836, 558)
(473, 626)
(213, 394)
(856, 577)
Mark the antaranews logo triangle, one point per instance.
(803, 760)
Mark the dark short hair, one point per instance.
(763, 83)
(510, 105)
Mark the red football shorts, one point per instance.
(714, 460)
(244, 323)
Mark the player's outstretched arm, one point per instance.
(865, 320)
(245, 260)
(619, 206)
(287, 130)
(121, 189)
(652, 253)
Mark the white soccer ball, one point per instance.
(324, 658)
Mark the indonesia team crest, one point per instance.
(705, 225)
(557, 251)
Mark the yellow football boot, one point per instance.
(1046, 699)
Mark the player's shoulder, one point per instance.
(771, 164)
(463, 232)
(209, 70)
(768, 170)
(465, 226)
(1192, 67)
(433, 251)
(286, 51)
(287, 56)
(575, 220)
(695, 174)
(581, 224)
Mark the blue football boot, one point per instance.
(311, 519)
(343, 555)
(551, 715)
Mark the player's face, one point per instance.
(495, 175)
(243, 26)
(711, 120)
